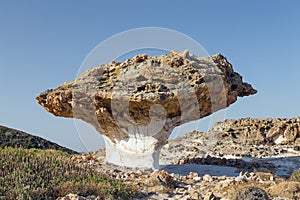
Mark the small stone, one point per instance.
(222, 177)
(209, 196)
(198, 178)
(193, 175)
(207, 178)
(189, 187)
(187, 197)
(183, 178)
(252, 174)
(180, 190)
(194, 194)
(224, 184)
(176, 162)
(185, 54)
(118, 176)
(140, 58)
(182, 162)
(71, 197)
(241, 179)
(162, 178)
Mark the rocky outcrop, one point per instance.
(234, 139)
(261, 131)
(195, 168)
(136, 104)
(200, 177)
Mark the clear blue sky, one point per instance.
(43, 43)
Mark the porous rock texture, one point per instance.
(264, 131)
(136, 104)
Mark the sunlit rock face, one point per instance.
(136, 104)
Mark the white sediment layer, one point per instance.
(136, 152)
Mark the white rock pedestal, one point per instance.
(136, 152)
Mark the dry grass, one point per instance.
(249, 193)
(48, 174)
(289, 190)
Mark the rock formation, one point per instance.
(136, 104)
(269, 131)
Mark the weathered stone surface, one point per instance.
(136, 104)
(267, 131)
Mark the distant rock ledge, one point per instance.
(261, 131)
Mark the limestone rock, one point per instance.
(261, 131)
(162, 178)
(136, 104)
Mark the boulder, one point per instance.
(136, 104)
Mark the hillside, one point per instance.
(14, 138)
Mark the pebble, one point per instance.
(207, 178)
(196, 179)
(241, 179)
(192, 175)
(180, 190)
(194, 194)
(225, 183)
(209, 196)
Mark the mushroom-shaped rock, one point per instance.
(136, 104)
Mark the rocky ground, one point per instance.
(245, 155)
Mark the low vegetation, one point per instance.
(295, 176)
(249, 193)
(48, 174)
(286, 190)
